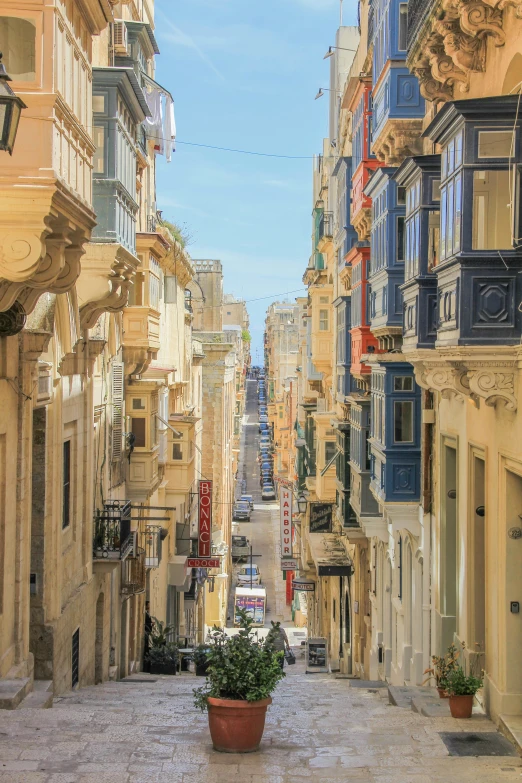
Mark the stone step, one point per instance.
(12, 692)
(431, 706)
(40, 698)
(402, 695)
(511, 727)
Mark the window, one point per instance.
(491, 210)
(403, 26)
(451, 198)
(403, 383)
(401, 195)
(400, 238)
(138, 404)
(99, 152)
(138, 429)
(98, 104)
(434, 238)
(403, 422)
(330, 450)
(177, 451)
(75, 658)
(435, 190)
(66, 487)
(323, 320)
(399, 559)
(495, 144)
(18, 37)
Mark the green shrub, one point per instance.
(240, 667)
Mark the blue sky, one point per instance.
(243, 75)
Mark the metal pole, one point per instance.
(251, 566)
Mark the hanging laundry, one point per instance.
(155, 123)
(170, 128)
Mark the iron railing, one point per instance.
(113, 538)
(326, 225)
(152, 224)
(133, 573)
(418, 10)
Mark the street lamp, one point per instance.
(322, 91)
(330, 52)
(302, 504)
(10, 108)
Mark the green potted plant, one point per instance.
(242, 673)
(461, 688)
(442, 666)
(163, 659)
(201, 660)
(162, 655)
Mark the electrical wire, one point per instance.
(258, 299)
(245, 152)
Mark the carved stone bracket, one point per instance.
(398, 140)
(467, 374)
(137, 359)
(452, 45)
(362, 222)
(81, 360)
(109, 287)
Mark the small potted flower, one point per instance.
(201, 660)
(242, 673)
(163, 659)
(442, 666)
(461, 688)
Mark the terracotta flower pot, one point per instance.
(236, 726)
(443, 694)
(461, 706)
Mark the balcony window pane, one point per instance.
(330, 449)
(403, 383)
(323, 320)
(435, 190)
(491, 210)
(138, 429)
(443, 216)
(403, 422)
(401, 195)
(495, 144)
(66, 487)
(434, 238)
(403, 26)
(458, 148)
(449, 220)
(99, 153)
(98, 104)
(400, 239)
(177, 451)
(18, 37)
(458, 212)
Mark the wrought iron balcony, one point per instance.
(152, 224)
(113, 538)
(133, 573)
(152, 541)
(417, 12)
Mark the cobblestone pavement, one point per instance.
(318, 729)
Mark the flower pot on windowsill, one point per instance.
(461, 706)
(237, 726)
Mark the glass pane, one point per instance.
(495, 144)
(449, 220)
(403, 383)
(451, 156)
(403, 26)
(434, 239)
(443, 214)
(403, 422)
(435, 190)
(98, 103)
(400, 239)
(18, 37)
(458, 212)
(99, 153)
(138, 430)
(491, 211)
(401, 195)
(458, 148)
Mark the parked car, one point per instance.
(240, 547)
(242, 511)
(248, 499)
(268, 492)
(249, 574)
(263, 418)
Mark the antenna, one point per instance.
(341, 13)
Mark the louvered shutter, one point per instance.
(117, 410)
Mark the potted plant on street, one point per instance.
(201, 659)
(442, 666)
(162, 655)
(242, 673)
(461, 688)
(163, 659)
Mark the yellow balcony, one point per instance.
(141, 339)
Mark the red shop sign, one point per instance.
(205, 519)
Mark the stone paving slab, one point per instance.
(318, 729)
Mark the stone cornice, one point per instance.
(97, 14)
(488, 374)
(399, 139)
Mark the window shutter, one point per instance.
(117, 410)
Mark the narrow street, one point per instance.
(145, 729)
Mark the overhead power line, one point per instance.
(246, 301)
(246, 152)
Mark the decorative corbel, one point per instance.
(494, 385)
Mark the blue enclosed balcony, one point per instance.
(395, 433)
(345, 381)
(420, 176)
(361, 499)
(398, 107)
(478, 270)
(345, 512)
(387, 246)
(119, 107)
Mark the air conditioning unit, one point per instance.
(119, 37)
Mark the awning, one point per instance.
(329, 555)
